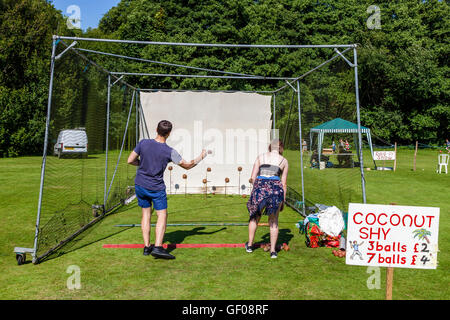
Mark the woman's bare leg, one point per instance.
(273, 225)
(252, 226)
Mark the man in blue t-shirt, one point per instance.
(151, 156)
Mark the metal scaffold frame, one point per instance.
(115, 77)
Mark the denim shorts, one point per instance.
(147, 197)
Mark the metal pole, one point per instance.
(358, 118)
(213, 45)
(199, 90)
(162, 63)
(343, 57)
(198, 76)
(107, 140)
(137, 118)
(82, 56)
(310, 71)
(274, 110)
(59, 56)
(301, 146)
(44, 155)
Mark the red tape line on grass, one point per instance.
(183, 245)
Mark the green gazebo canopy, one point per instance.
(339, 125)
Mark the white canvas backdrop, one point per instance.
(236, 127)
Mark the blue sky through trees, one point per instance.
(90, 11)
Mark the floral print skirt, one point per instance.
(266, 197)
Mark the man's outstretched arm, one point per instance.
(133, 158)
(191, 164)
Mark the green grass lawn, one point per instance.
(220, 273)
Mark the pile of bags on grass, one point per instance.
(324, 228)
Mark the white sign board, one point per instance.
(384, 155)
(392, 236)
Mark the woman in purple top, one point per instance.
(151, 156)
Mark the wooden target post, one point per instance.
(185, 184)
(170, 179)
(205, 181)
(389, 275)
(226, 182)
(239, 179)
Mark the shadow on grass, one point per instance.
(86, 238)
(80, 242)
(180, 235)
(284, 236)
(204, 207)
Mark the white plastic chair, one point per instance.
(443, 162)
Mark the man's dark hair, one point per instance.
(164, 128)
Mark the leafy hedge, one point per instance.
(404, 70)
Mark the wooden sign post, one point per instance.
(392, 236)
(395, 160)
(389, 282)
(389, 276)
(415, 154)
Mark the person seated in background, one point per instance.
(333, 146)
(304, 146)
(447, 145)
(314, 160)
(345, 161)
(347, 145)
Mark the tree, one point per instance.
(26, 29)
(403, 66)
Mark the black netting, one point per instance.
(74, 181)
(334, 179)
(87, 175)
